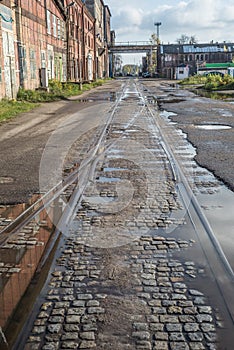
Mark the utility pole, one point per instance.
(158, 24)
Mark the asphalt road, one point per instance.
(24, 138)
(215, 148)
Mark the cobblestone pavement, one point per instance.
(133, 297)
(129, 272)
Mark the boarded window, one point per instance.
(55, 26)
(22, 63)
(59, 29)
(43, 59)
(32, 64)
(62, 31)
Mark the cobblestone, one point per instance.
(172, 317)
(134, 293)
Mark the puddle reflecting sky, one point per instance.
(219, 209)
(213, 127)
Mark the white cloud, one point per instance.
(206, 19)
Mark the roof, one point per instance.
(219, 65)
(197, 48)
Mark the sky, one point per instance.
(133, 20)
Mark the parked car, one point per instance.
(146, 75)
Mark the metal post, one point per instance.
(158, 24)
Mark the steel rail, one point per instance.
(26, 216)
(224, 284)
(89, 167)
(181, 178)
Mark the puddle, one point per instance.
(213, 127)
(219, 209)
(115, 151)
(108, 169)
(104, 179)
(99, 199)
(217, 95)
(21, 253)
(111, 96)
(216, 199)
(167, 114)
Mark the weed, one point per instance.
(211, 82)
(28, 99)
(9, 109)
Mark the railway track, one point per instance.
(129, 185)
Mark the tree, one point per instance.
(193, 39)
(154, 39)
(152, 57)
(185, 39)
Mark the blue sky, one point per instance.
(206, 19)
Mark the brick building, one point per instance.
(8, 81)
(53, 39)
(192, 56)
(101, 13)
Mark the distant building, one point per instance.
(216, 68)
(194, 56)
(182, 72)
(102, 15)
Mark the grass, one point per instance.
(9, 109)
(29, 99)
(57, 91)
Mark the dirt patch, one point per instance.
(117, 323)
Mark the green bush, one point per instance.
(28, 99)
(57, 91)
(211, 81)
(194, 80)
(55, 86)
(215, 82)
(227, 79)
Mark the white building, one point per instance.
(182, 72)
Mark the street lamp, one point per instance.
(158, 24)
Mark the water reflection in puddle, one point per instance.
(21, 252)
(108, 169)
(108, 179)
(213, 127)
(216, 199)
(111, 96)
(99, 199)
(219, 209)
